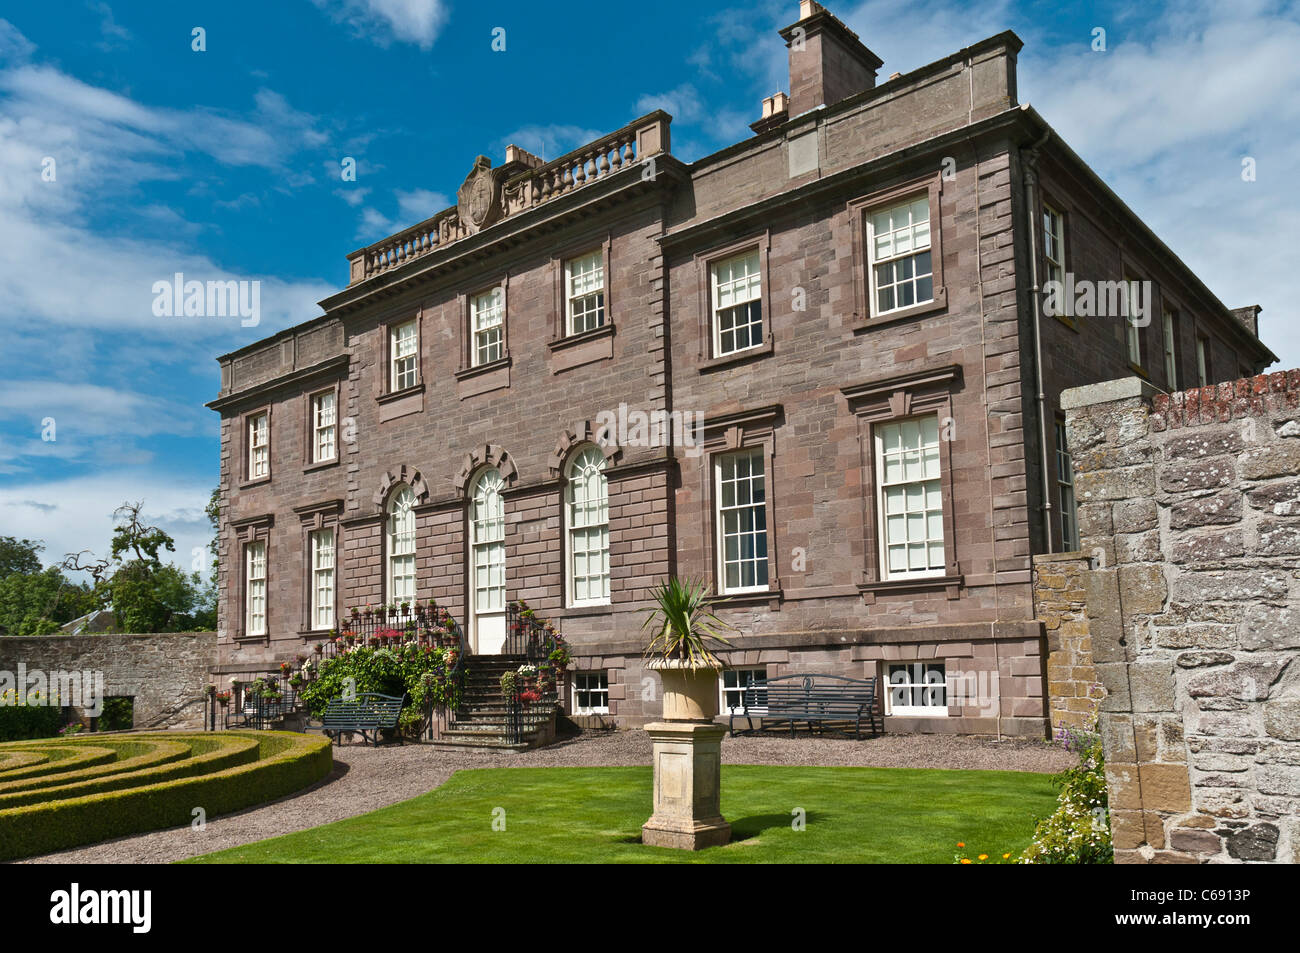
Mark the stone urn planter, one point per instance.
(688, 742)
(689, 694)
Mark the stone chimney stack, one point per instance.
(1249, 316)
(828, 62)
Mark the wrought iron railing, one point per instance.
(425, 625)
(532, 699)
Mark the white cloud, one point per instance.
(76, 514)
(550, 141)
(385, 21)
(413, 206)
(13, 45)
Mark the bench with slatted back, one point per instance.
(366, 714)
(813, 699)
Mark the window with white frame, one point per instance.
(404, 354)
(401, 545)
(322, 579)
(737, 303)
(1065, 486)
(1171, 349)
(1203, 370)
(488, 542)
(487, 313)
(1132, 311)
(916, 688)
(591, 693)
(584, 292)
(255, 588)
(742, 520)
(1053, 244)
(324, 445)
(259, 446)
(910, 498)
(736, 682)
(902, 273)
(587, 516)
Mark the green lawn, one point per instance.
(594, 815)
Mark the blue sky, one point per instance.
(225, 163)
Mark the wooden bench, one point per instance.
(367, 714)
(813, 699)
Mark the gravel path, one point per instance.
(368, 778)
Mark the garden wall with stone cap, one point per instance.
(1189, 508)
(166, 673)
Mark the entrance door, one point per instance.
(488, 564)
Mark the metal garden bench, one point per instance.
(367, 714)
(813, 699)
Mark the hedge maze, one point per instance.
(68, 792)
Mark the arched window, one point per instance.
(587, 522)
(401, 545)
(487, 542)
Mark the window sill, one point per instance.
(466, 373)
(321, 465)
(1139, 370)
(753, 598)
(245, 637)
(399, 394)
(573, 340)
(258, 482)
(869, 590)
(940, 303)
(575, 612)
(1067, 321)
(765, 349)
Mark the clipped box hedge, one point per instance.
(208, 755)
(286, 762)
(64, 758)
(12, 760)
(131, 756)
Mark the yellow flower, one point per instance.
(965, 860)
(1005, 856)
(984, 856)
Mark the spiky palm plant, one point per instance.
(683, 626)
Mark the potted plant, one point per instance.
(683, 634)
(223, 699)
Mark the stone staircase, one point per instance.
(483, 720)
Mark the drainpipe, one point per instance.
(1030, 157)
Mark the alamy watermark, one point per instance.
(653, 428)
(211, 299)
(37, 688)
(1129, 299)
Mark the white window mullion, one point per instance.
(259, 446)
(916, 688)
(487, 316)
(255, 588)
(737, 292)
(741, 506)
(587, 519)
(323, 424)
(902, 271)
(401, 546)
(322, 576)
(909, 498)
(584, 292)
(404, 348)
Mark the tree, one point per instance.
(146, 594)
(19, 556)
(38, 603)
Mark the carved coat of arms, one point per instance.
(478, 201)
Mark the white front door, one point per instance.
(488, 564)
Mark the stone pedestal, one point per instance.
(687, 762)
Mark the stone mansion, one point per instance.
(819, 369)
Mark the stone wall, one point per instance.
(1061, 604)
(166, 673)
(1190, 505)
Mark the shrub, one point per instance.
(1079, 831)
(130, 756)
(418, 671)
(32, 720)
(118, 714)
(286, 762)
